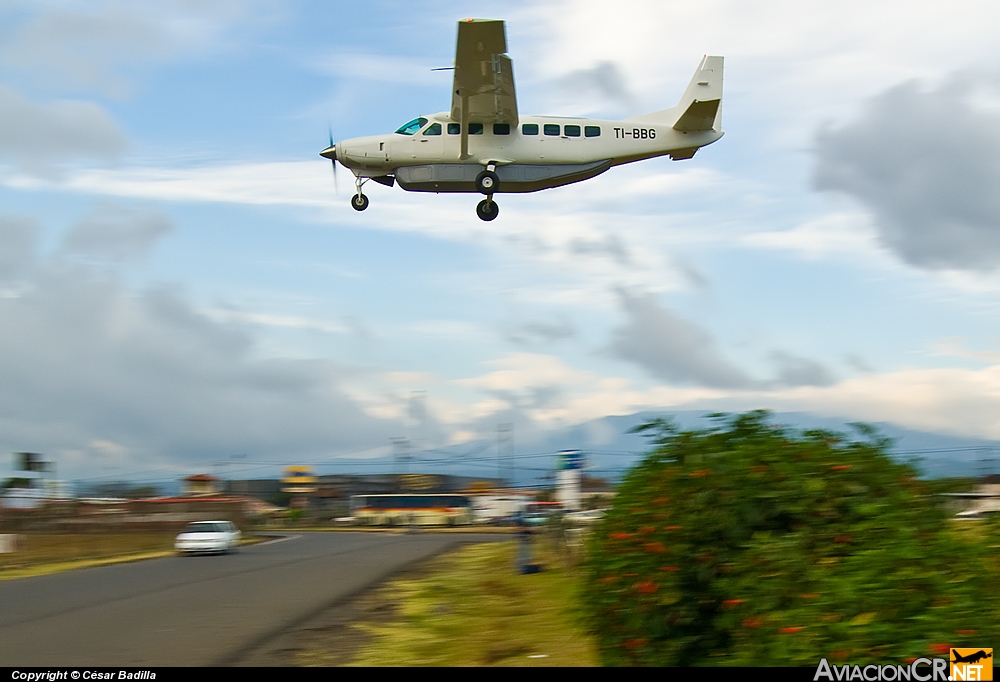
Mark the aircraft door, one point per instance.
(429, 143)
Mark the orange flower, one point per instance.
(646, 586)
(669, 568)
(840, 467)
(620, 536)
(731, 603)
(635, 642)
(655, 547)
(842, 538)
(672, 527)
(646, 530)
(941, 649)
(752, 622)
(608, 579)
(789, 631)
(700, 473)
(661, 500)
(841, 654)
(965, 632)
(629, 575)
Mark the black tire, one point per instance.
(487, 182)
(359, 202)
(487, 209)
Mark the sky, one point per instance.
(184, 285)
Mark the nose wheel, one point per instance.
(487, 209)
(359, 201)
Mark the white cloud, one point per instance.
(848, 234)
(116, 233)
(924, 164)
(796, 62)
(367, 67)
(284, 321)
(17, 247)
(37, 138)
(85, 361)
(96, 46)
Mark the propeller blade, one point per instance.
(331, 153)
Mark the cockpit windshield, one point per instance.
(412, 127)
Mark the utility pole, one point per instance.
(400, 447)
(233, 459)
(503, 447)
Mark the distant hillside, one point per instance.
(611, 448)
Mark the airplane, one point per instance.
(483, 145)
(971, 658)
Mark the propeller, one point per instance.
(331, 153)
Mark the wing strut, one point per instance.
(464, 154)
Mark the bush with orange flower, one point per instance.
(749, 544)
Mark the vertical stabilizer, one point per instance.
(700, 107)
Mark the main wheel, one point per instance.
(359, 202)
(487, 209)
(487, 182)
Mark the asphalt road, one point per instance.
(196, 611)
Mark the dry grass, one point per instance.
(39, 554)
(468, 608)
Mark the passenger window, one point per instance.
(475, 129)
(501, 129)
(529, 129)
(592, 131)
(572, 131)
(454, 128)
(551, 129)
(433, 129)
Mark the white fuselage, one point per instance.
(540, 152)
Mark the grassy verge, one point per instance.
(41, 554)
(469, 608)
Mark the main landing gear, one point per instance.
(487, 183)
(359, 201)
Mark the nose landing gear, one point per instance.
(487, 209)
(359, 201)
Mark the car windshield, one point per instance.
(206, 527)
(412, 127)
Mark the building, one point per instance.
(200, 485)
(982, 501)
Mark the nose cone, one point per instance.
(330, 152)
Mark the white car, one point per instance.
(586, 517)
(216, 537)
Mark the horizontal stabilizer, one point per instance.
(700, 115)
(681, 154)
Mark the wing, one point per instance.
(483, 91)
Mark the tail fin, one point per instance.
(700, 107)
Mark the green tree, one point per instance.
(747, 544)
